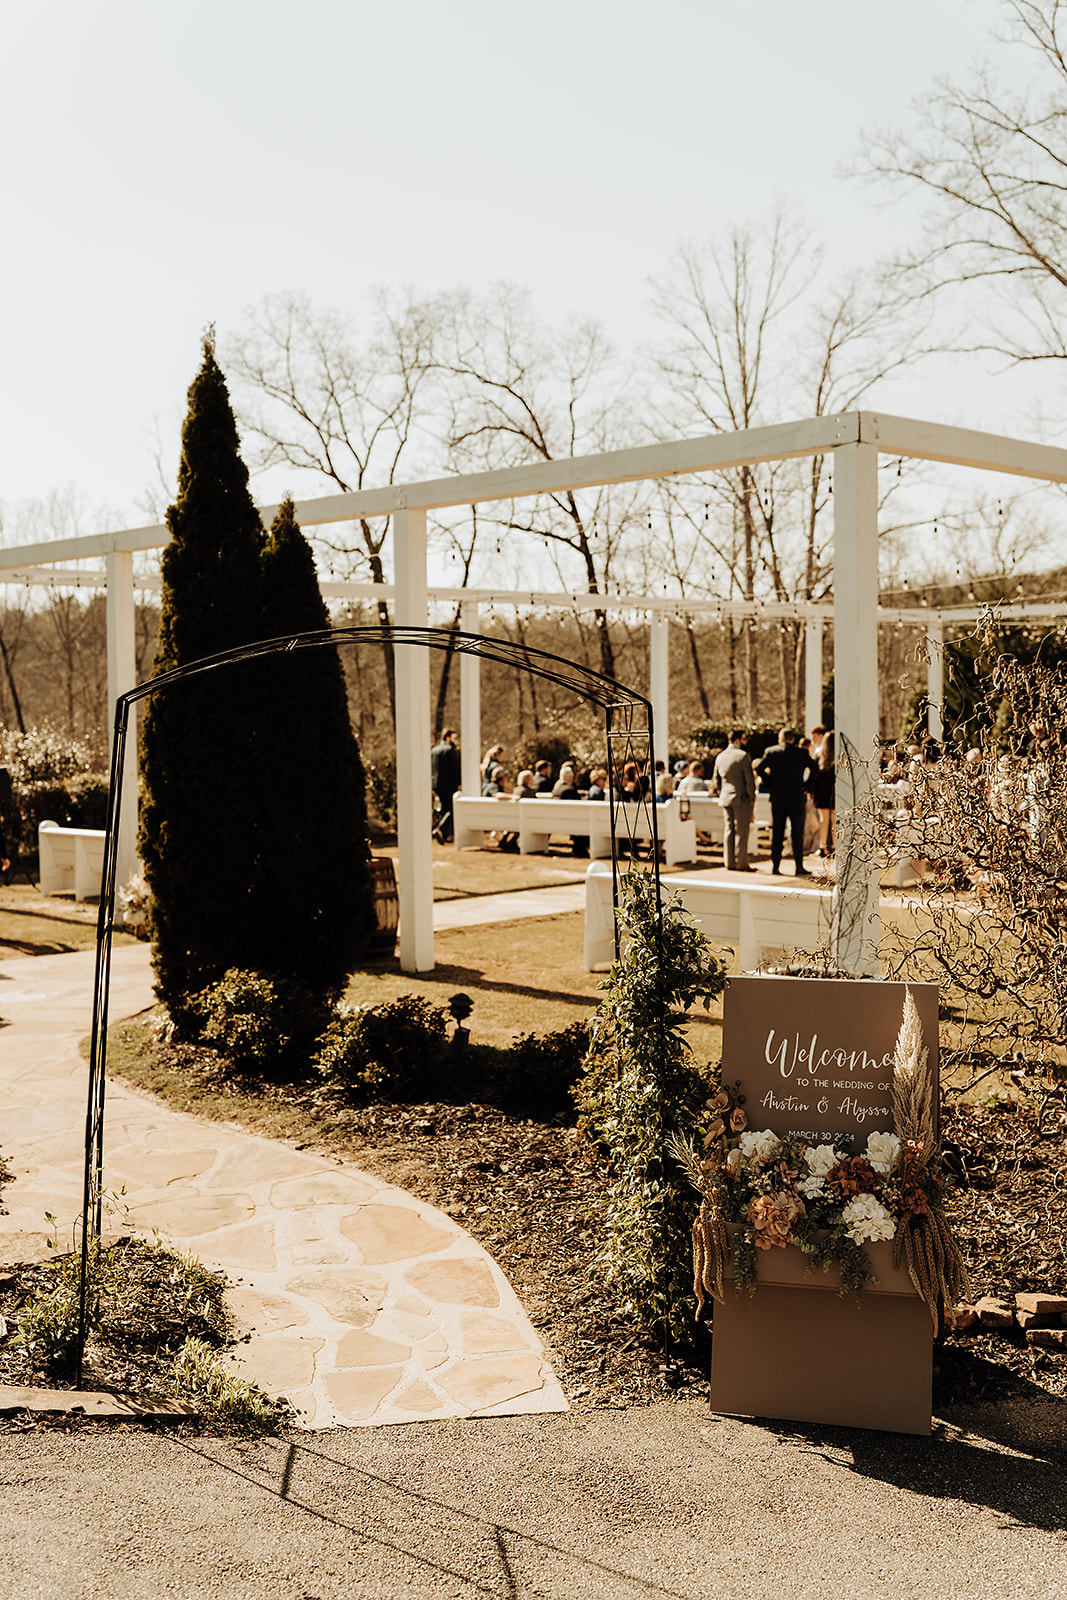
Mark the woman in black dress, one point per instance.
(822, 793)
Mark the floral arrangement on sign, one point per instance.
(824, 1199)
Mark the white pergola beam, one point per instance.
(962, 447)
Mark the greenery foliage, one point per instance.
(314, 874)
(53, 778)
(709, 736)
(245, 1016)
(640, 1090)
(397, 1047)
(381, 782)
(543, 1069)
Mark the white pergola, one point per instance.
(854, 440)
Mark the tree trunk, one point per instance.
(698, 673)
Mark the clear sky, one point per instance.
(166, 166)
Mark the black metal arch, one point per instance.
(628, 733)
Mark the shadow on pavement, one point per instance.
(486, 1556)
(995, 1455)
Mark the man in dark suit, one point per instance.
(787, 772)
(445, 780)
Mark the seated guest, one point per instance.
(664, 788)
(543, 777)
(598, 784)
(565, 787)
(524, 785)
(631, 787)
(694, 782)
(498, 786)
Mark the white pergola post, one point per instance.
(413, 788)
(855, 934)
(470, 704)
(121, 677)
(812, 673)
(935, 679)
(659, 685)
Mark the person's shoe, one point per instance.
(802, 872)
(744, 869)
(776, 872)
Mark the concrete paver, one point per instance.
(362, 1305)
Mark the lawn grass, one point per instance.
(524, 977)
(462, 874)
(34, 925)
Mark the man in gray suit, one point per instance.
(737, 795)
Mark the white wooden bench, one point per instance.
(536, 821)
(591, 819)
(473, 816)
(70, 858)
(750, 916)
(710, 818)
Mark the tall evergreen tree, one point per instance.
(200, 739)
(314, 867)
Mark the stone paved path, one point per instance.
(362, 1304)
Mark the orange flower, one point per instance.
(772, 1218)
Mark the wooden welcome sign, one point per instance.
(814, 1060)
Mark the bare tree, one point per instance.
(519, 392)
(325, 402)
(749, 341)
(993, 165)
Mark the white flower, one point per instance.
(866, 1217)
(733, 1161)
(812, 1187)
(761, 1147)
(883, 1151)
(821, 1160)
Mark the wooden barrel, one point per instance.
(386, 906)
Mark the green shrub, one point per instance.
(381, 786)
(43, 802)
(88, 793)
(44, 755)
(543, 1069)
(199, 1371)
(398, 1047)
(245, 1016)
(639, 1090)
(709, 736)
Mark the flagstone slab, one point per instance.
(465, 1282)
(279, 1363)
(198, 1214)
(156, 1169)
(321, 1189)
(394, 1233)
(350, 1295)
(478, 1385)
(363, 1349)
(357, 1393)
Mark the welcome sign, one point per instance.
(814, 1057)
